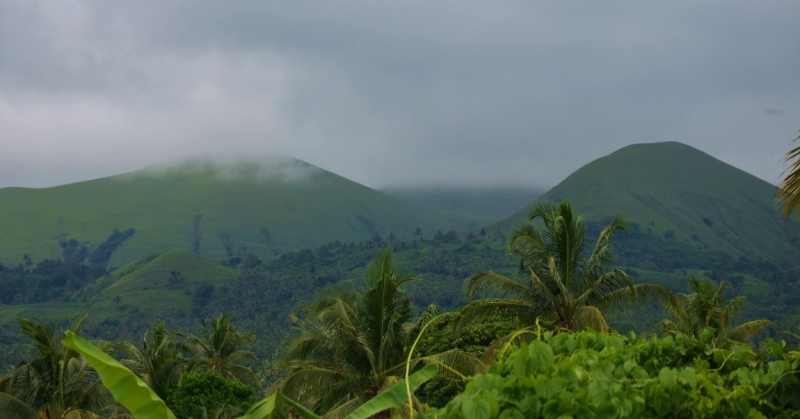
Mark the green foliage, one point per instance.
(789, 190)
(704, 314)
(158, 360)
(588, 374)
(48, 280)
(56, 380)
(564, 285)
(128, 389)
(209, 392)
(222, 349)
(474, 339)
(353, 344)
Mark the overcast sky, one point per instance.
(393, 93)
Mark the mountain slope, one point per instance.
(672, 186)
(264, 206)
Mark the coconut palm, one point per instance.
(704, 308)
(158, 360)
(789, 190)
(57, 383)
(563, 284)
(221, 348)
(353, 345)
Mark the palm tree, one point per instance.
(564, 285)
(57, 383)
(221, 348)
(705, 308)
(353, 345)
(789, 189)
(158, 360)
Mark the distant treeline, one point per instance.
(269, 289)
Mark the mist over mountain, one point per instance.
(213, 207)
(496, 202)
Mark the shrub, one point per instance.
(588, 374)
(209, 391)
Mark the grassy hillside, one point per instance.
(496, 202)
(673, 190)
(216, 210)
(151, 284)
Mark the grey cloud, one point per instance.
(231, 167)
(393, 93)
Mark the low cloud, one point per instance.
(392, 94)
(264, 168)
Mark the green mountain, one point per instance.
(217, 210)
(496, 202)
(673, 191)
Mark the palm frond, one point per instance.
(590, 317)
(544, 210)
(542, 289)
(745, 331)
(492, 282)
(789, 189)
(14, 408)
(310, 379)
(504, 309)
(735, 306)
(456, 363)
(525, 239)
(637, 295)
(343, 408)
(556, 277)
(608, 282)
(413, 329)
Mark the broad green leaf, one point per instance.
(395, 395)
(479, 410)
(541, 354)
(302, 410)
(776, 368)
(689, 376)
(262, 409)
(775, 348)
(128, 389)
(266, 408)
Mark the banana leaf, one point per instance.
(127, 389)
(395, 395)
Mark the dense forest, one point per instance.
(330, 328)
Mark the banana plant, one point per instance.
(143, 403)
